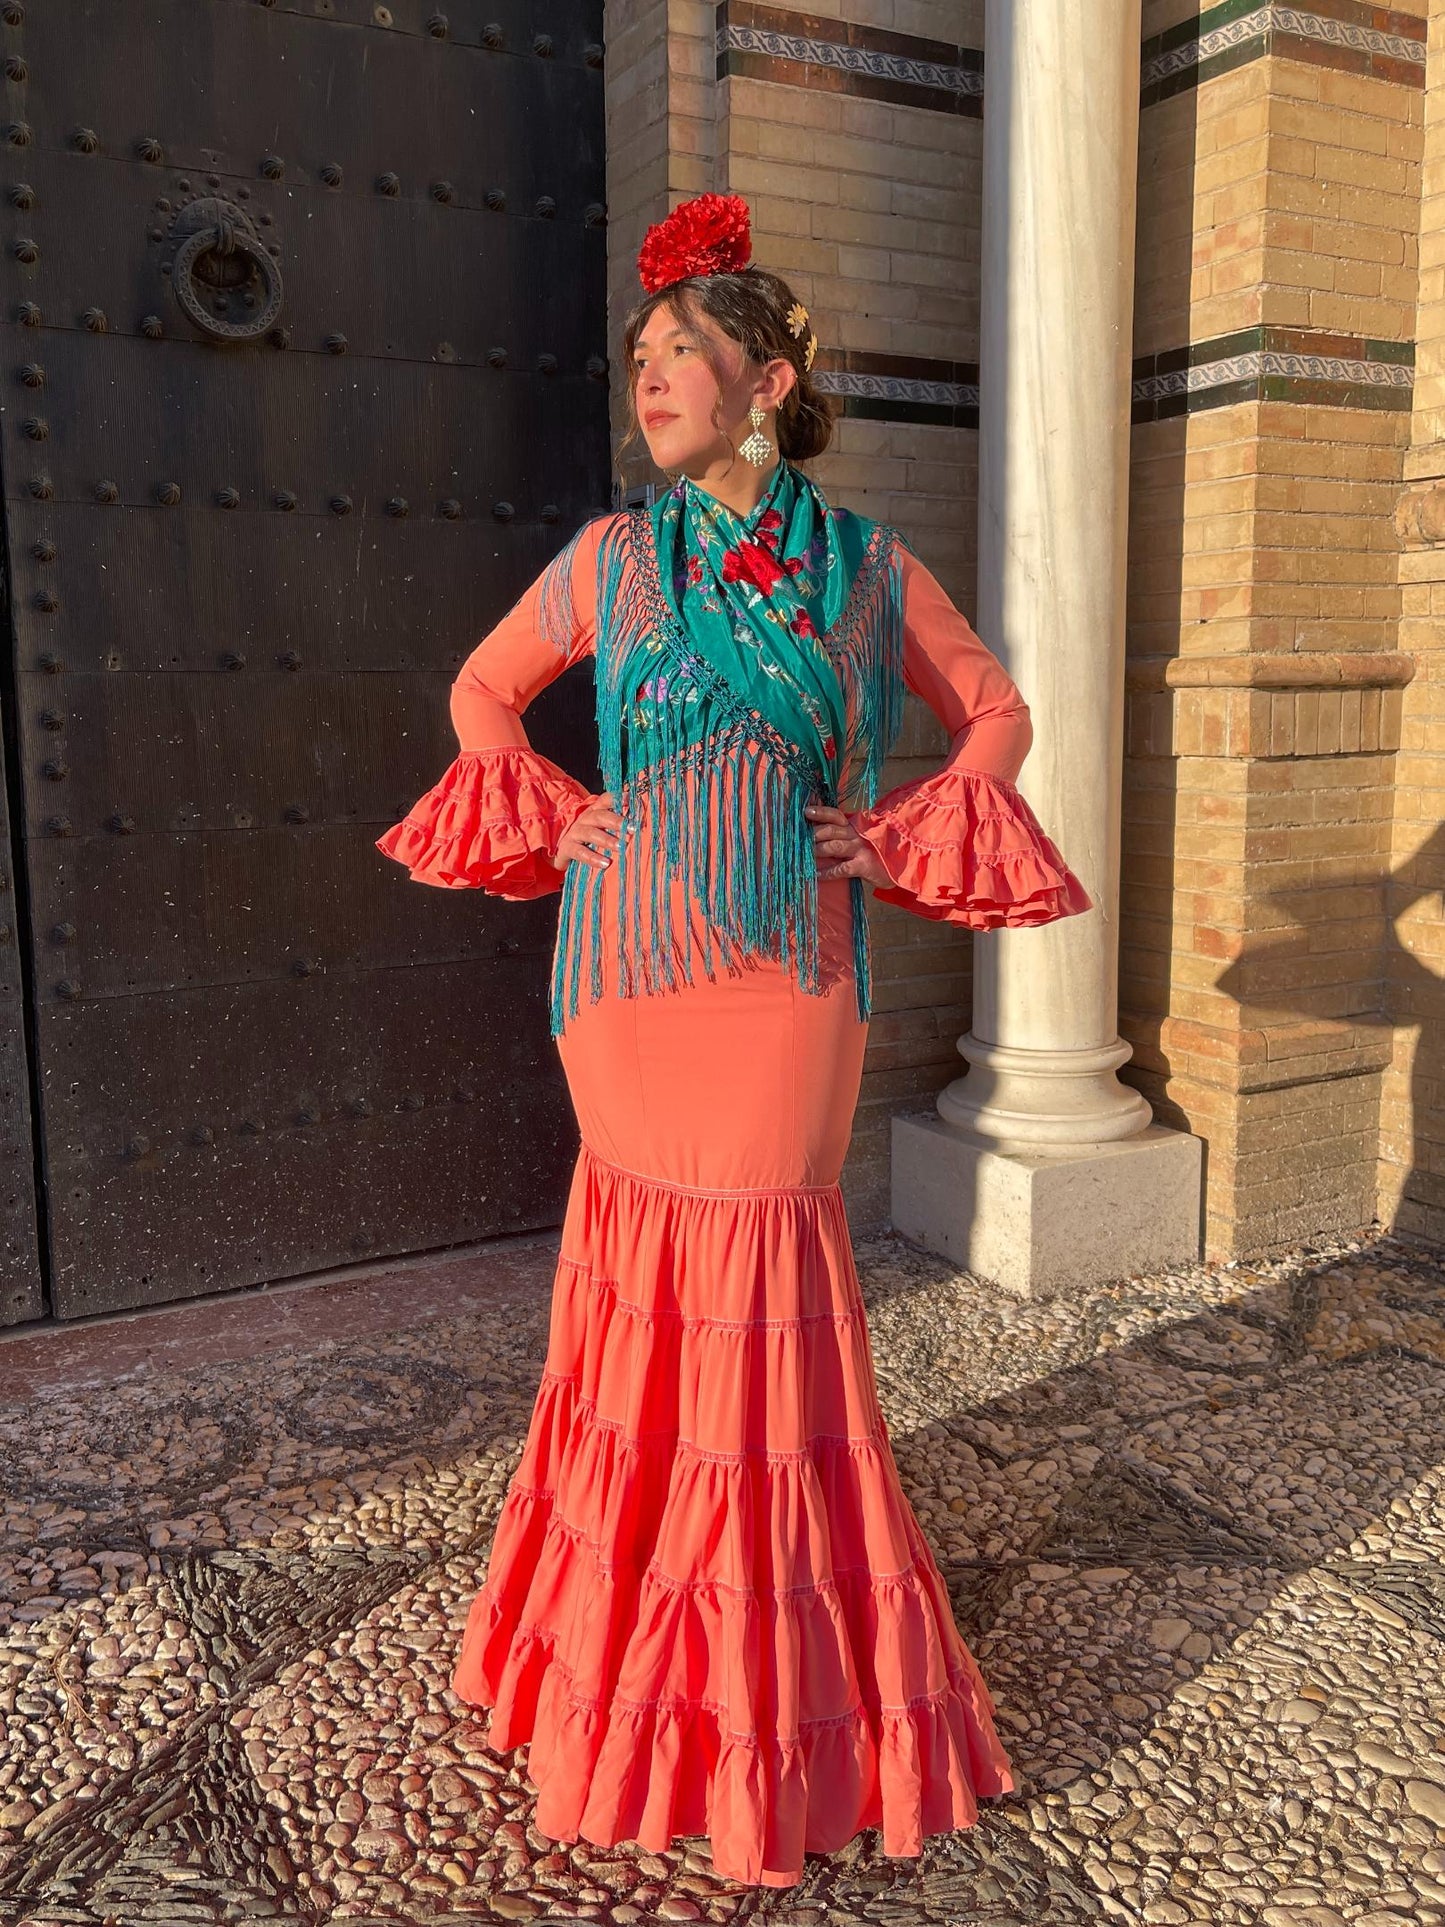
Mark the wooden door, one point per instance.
(307, 380)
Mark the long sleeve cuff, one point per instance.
(491, 822)
(964, 847)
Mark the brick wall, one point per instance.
(1412, 1120)
(870, 208)
(1280, 650)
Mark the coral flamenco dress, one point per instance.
(709, 1606)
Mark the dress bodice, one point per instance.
(960, 843)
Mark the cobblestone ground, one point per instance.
(1193, 1524)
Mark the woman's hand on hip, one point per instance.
(591, 836)
(839, 850)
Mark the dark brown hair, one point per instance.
(752, 307)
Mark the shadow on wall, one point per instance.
(1401, 993)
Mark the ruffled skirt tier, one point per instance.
(709, 1607)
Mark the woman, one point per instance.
(709, 1606)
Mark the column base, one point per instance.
(1055, 1099)
(1043, 1221)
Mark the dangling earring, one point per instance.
(757, 448)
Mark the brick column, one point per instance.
(1279, 183)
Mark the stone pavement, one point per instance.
(1194, 1526)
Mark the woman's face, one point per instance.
(677, 394)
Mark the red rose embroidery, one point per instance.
(802, 625)
(792, 563)
(769, 522)
(749, 562)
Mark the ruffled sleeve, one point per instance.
(492, 822)
(493, 819)
(963, 845)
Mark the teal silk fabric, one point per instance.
(745, 666)
(753, 594)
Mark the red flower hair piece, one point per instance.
(710, 234)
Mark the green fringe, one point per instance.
(756, 883)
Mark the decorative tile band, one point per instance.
(1215, 374)
(902, 388)
(1273, 19)
(1337, 33)
(795, 49)
(950, 394)
(1269, 363)
(1265, 363)
(853, 60)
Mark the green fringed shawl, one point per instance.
(665, 708)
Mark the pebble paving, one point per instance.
(1193, 1525)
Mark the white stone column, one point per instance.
(1042, 1169)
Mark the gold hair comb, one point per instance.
(797, 320)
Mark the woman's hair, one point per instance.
(751, 306)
